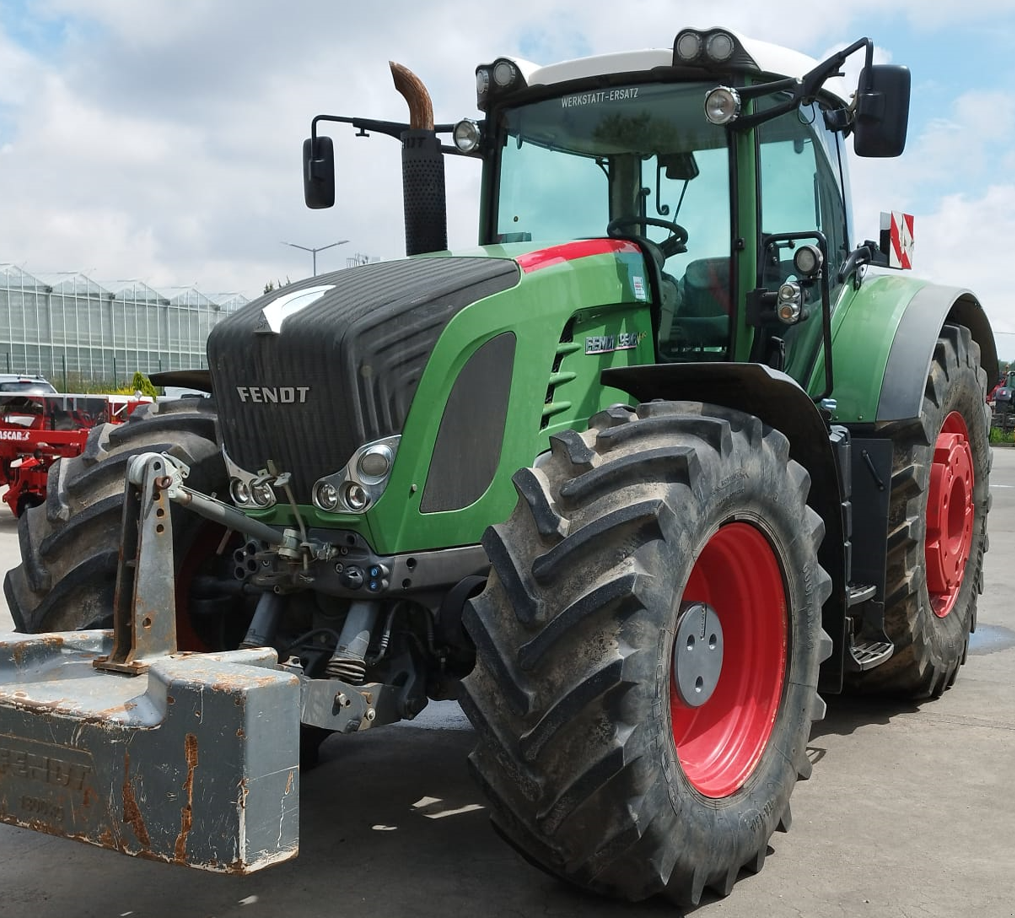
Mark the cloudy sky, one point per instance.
(160, 139)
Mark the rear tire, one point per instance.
(70, 544)
(595, 766)
(937, 525)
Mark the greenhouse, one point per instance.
(68, 327)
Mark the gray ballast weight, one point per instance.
(194, 761)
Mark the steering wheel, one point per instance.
(675, 244)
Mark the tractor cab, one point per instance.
(723, 159)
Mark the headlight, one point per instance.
(354, 497)
(239, 492)
(362, 482)
(722, 105)
(326, 496)
(261, 493)
(466, 135)
(374, 463)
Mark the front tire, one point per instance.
(600, 763)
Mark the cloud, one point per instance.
(162, 139)
(959, 245)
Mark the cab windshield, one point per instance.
(572, 164)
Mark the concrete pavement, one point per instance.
(910, 812)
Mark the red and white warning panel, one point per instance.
(897, 239)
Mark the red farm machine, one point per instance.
(38, 429)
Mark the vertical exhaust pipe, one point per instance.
(424, 198)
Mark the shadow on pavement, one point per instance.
(848, 712)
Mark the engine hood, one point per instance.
(306, 374)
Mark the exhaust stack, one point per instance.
(424, 198)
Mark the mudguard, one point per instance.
(883, 340)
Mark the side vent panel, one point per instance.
(558, 376)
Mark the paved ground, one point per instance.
(910, 814)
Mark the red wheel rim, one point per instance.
(719, 743)
(949, 514)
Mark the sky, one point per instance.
(160, 140)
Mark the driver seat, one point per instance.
(702, 316)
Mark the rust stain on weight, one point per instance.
(131, 811)
(187, 813)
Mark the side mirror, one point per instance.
(882, 110)
(318, 172)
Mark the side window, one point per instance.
(801, 191)
(800, 181)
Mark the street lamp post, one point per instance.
(314, 251)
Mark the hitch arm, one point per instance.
(144, 605)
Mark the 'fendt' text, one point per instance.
(273, 395)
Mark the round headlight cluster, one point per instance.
(502, 75)
(256, 493)
(707, 48)
(361, 483)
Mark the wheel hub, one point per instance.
(697, 653)
(949, 514)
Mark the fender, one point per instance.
(884, 335)
(779, 401)
(913, 348)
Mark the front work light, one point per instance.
(807, 260)
(466, 135)
(504, 73)
(688, 46)
(720, 47)
(722, 105)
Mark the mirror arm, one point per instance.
(364, 125)
(804, 89)
(867, 254)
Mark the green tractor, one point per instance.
(634, 480)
